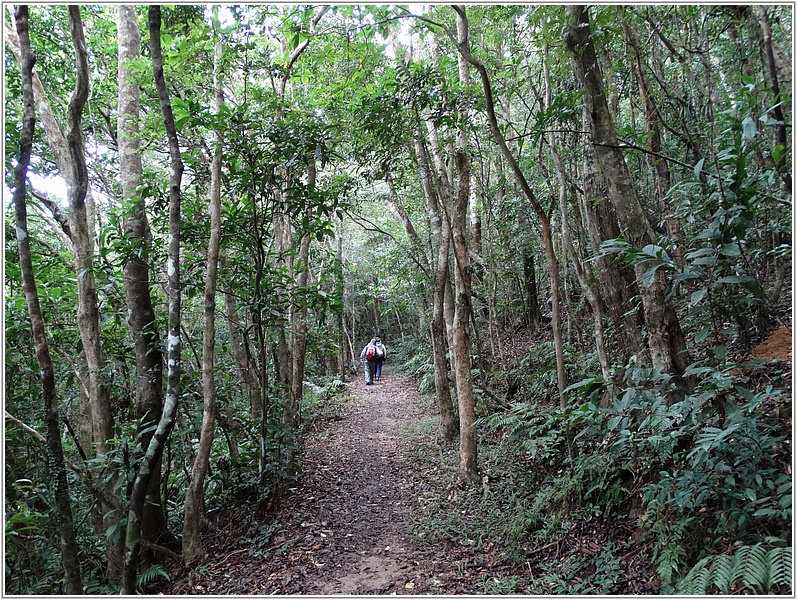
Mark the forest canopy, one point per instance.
(570, 224)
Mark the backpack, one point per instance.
(380, 351)
(369, 353)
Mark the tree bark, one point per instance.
(584, 275)
(665, 338)
(88, 316)
(298, 340)
(194, 508)
(461, 349)
(67, 542)
(653, 126)
(781, 128)
(468, 448)
(174, 343)
(141, 315)
(618, 283)
(545, 225)
(449, 425)
(59, 148)
(340, 285)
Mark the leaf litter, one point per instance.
(345, 527)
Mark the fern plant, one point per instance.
(151, 574)
(750, 568)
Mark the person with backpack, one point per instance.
(368, 358)
(380, 354)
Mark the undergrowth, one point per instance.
(699, 483)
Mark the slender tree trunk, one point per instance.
(545, 225)
(530, 283)
(174, 343)
(461, 349)
(658, 162)
(61, 156)
(584, 275)
(665, 338)
(299, 336)
(468, 449)
(88, 316)
(68, 542)
(449, 425)
(781, 127)
(141, 315)
(247, 371)
(409, 228)
(341, 285)
(194, 510)
(88, 312)
(618, 283)
(444, 186)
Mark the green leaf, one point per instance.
(701, 253)
(738, 279)
(649, 276)
(749, 128)
(698, 295)
(731, 249)
(699, 167)
(656, 251)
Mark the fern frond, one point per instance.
(780, 562)
(724, 573)
(697, 581)
(754, 567)
(151, 574)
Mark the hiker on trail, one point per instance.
(380, 355)
(367, 357)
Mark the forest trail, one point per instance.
(344, 528)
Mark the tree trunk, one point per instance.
(658, 162)
(665, 338)
(468, 449)
(545, 225)
(141, 315)
(449, 425)
(194, 510)
(59, 148)
(341, 286)
(299, 336)
(781, 127)
(68, 542)
(241, 355)
(618, 284)
(461, 349)
(88, 316)
(530, 283)
(584, 275)
(174, 344)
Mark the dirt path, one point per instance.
(360, 476)
(344, 529)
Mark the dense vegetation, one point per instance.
(572, 224)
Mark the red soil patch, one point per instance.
(777, 345)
